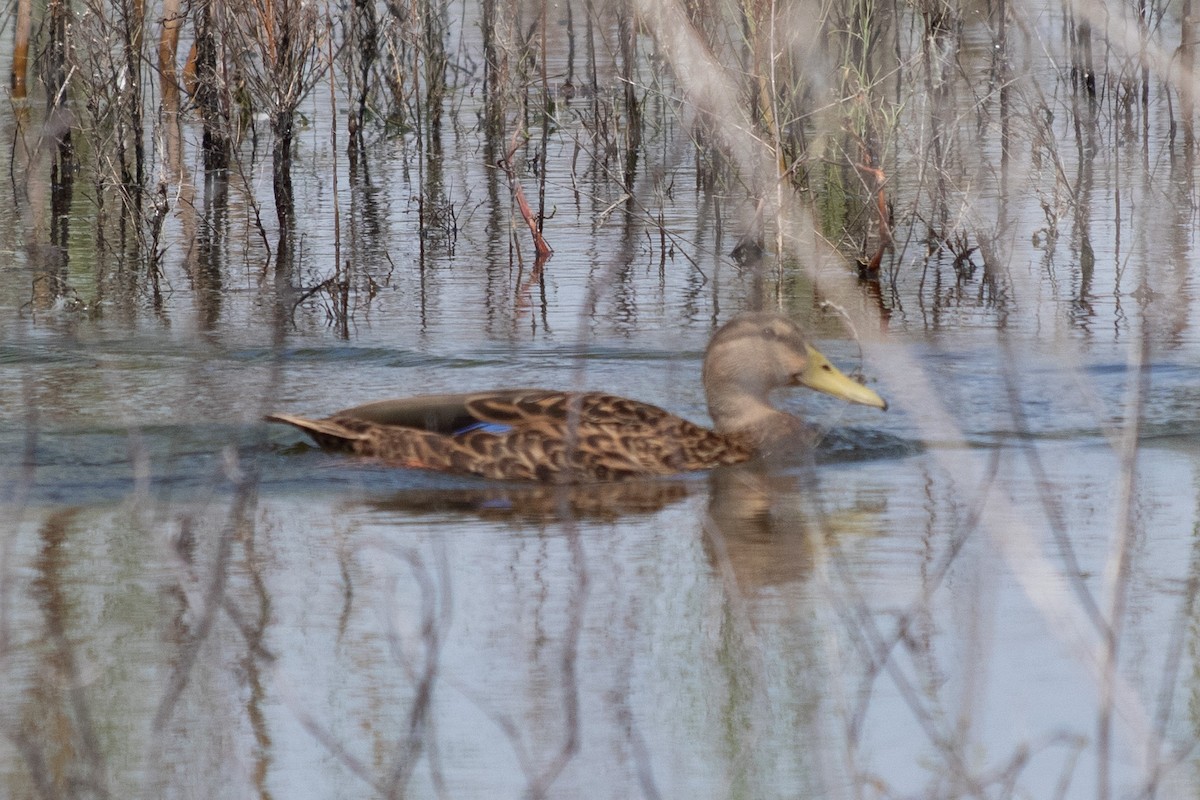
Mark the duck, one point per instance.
(571, 437)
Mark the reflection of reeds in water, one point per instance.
(400, 69)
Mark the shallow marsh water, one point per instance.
(193, 603)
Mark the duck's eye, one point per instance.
(827, 367)
(769, 333)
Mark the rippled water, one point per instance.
(195, 603)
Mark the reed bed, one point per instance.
(860, 104)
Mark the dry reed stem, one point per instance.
(168, 44)
(544, 251)
(18, 80)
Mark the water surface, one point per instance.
(195, 603)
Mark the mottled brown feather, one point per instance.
(553, 436)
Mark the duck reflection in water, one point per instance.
(766, 524)
(764, 520)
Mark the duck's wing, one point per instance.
(536, 406)
(566, 436)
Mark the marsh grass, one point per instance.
(843, 143)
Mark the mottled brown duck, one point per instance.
(571, 437)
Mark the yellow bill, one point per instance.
(819, 374)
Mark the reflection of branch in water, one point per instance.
(324, 737)
(540, 784)
(56, 713)
(861, 622)
(541, 779)
(245, 496)
(436, 607)
(257, 656)
(435, 619)
(634, 740)
(525, 288)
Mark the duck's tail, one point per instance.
(396, 445)
(328, 434)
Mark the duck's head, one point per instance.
(753, 354)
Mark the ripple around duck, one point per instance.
(99, 466)
(76, 466)
(83, 467)
(39, 355)
(1084, 401)
(863, 444)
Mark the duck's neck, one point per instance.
(734, 410)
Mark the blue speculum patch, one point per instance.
(495, 428)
